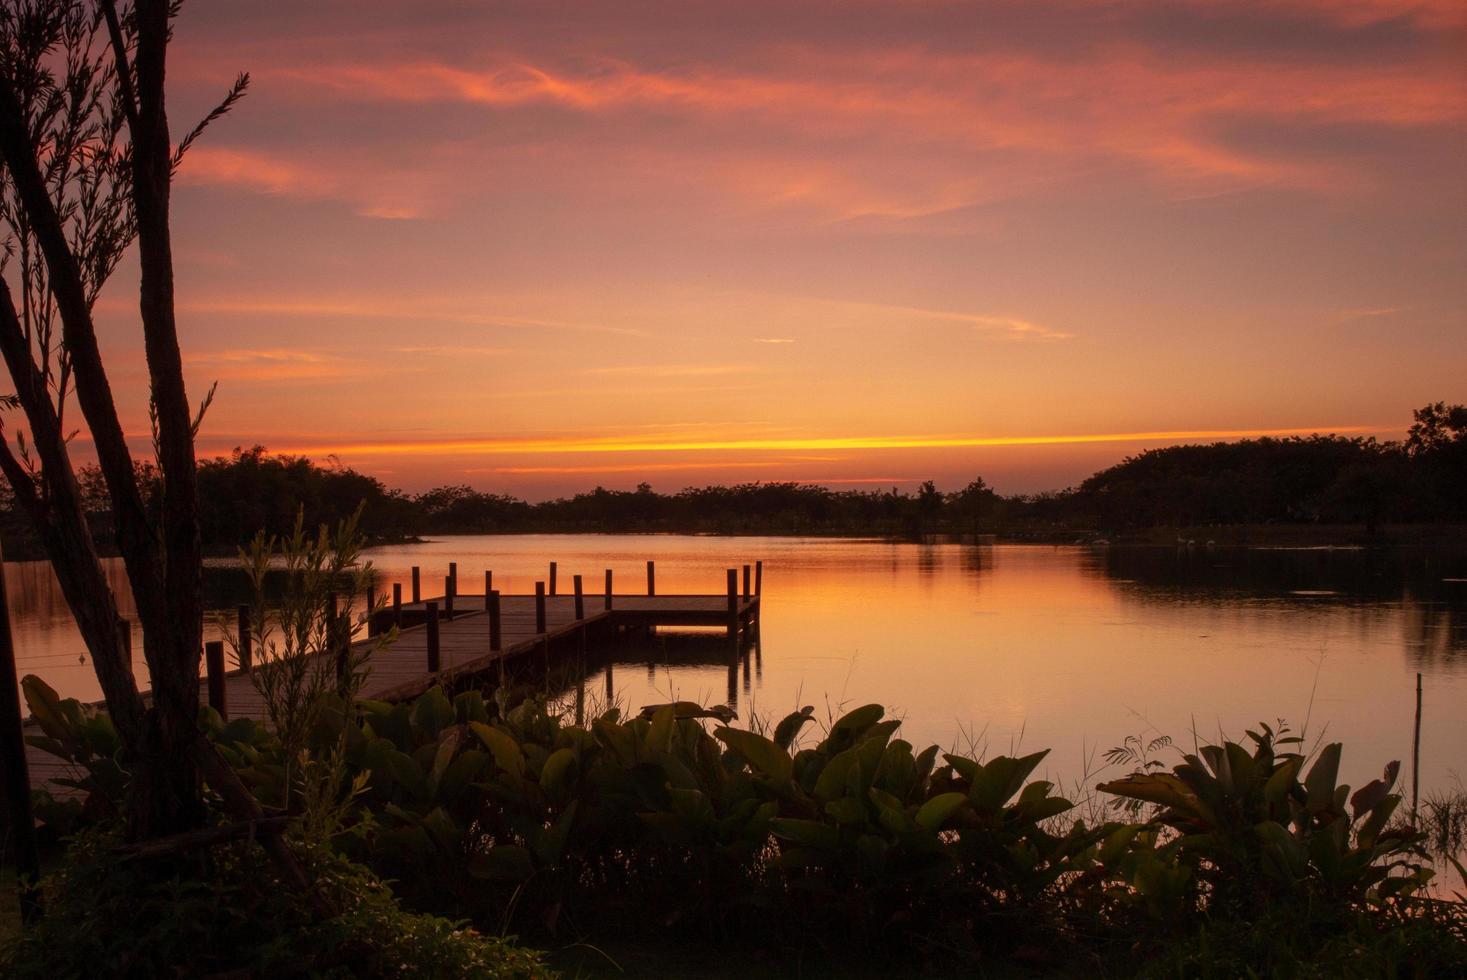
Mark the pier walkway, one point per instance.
(482, 635)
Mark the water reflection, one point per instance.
(1418, 592)
(1033, 646)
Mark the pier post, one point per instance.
(453, 575)
(488, 587)
(758, 578)
(608, 588)
(397, 605)
(417, 584)
(539, 607)
(746, 583)
(733, 604)
(580, 599)
(651, 577)
(448, 584)
(431, 622)
(246, 638)
(214, 667)
(552, 578)
(494, 622)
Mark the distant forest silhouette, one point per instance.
(1320, 479)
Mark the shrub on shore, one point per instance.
(675, 825)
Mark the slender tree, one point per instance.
(87, 166)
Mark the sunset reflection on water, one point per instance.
(1002, 646)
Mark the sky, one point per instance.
(540, 246)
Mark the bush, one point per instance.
(224, 911)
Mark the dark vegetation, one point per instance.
(1319, 480)
(846, 850)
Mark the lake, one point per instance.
(994, 646)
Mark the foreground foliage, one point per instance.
(225, 911)
(495, 809)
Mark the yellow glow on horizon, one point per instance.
(612, 444)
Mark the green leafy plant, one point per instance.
(225, 912)
(1254, 822)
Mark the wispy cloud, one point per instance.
(277, 365)
(1010, 327)
(419, 309)
(1346, 316)
(667, 370)
(279, 175)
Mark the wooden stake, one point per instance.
(214, 667)
(552, 578)
(494, 622)
(397, 604)
(488, 587)
(432, 636)
(580, 599)
(608, 588)
(453, 576)
(733, 604)
(17, 775)
(1416, 755)
(246, 638)
(758, 578)
(448, 584)
(417, 584)
(539, 607)
(651, 577)
(746, 583)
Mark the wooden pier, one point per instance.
(453, 638)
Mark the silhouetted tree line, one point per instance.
(1318, 479)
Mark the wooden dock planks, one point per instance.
(400, 670)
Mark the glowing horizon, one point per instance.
(610, 445)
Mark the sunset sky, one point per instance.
(539, 246)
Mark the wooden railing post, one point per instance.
(746, 583)
(431, 622)
(552, 578)
(417, 584)
(580, 599)
(758, 578)
(214, 667)
(651, 577)
(246, 638)
(733, 603)
(448, 584)
(488, 587)
(494, 622)
(608, 588)
(539, 607)
(397, 604)
(453, 576)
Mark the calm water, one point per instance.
(1003, 646)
